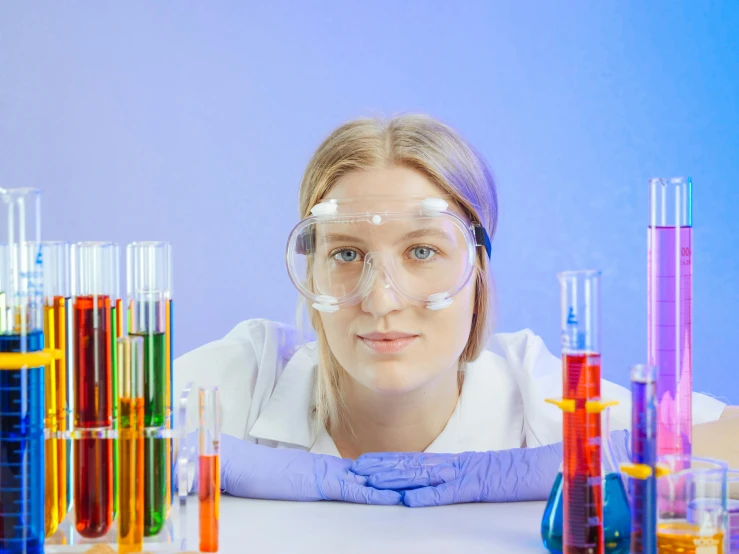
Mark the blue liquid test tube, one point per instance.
(22, 367)
(643, 470)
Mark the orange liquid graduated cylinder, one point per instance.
(210, 499)
(583, 492)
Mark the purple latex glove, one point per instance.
(254, 471)
(520, 474)
(437, 479)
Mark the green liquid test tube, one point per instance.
(149, 277)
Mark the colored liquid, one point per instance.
(169, 399)
(93, 460)
(55, 330)
(643, 492)
(210, 498)
(156, 455)
(93, 383)
(615, 517)
(131, 475)
(22, 451)
(51, 472)
(58, 321)
(155, 377)
(683, 538)
(155, 485)
(669, 333)
(114, 335)
(93, 491)
(582, 490)
(733, 509)
(69, 420)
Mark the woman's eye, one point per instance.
(423, 253)
(346, 255)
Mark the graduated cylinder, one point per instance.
(22, 363)
(670, 310)
(149, 278)
(581, 404)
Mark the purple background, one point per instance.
(192, 122)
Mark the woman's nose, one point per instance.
(382, 298)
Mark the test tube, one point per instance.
(209, 476)
(57, 296)
(93, 264)
(669, 309)
(148, 281)
(643, 468)
(22, 364)
(582, 476)
(131, 444)
(115, 333)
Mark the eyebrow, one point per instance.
(418, 233)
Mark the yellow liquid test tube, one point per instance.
(51, 459)
(168, 398)
(130, 444)
(56, 289)
(56, 262)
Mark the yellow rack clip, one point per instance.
(19, 360)
(597, 406)
(564, 404)
(637, 471)
(643, 471)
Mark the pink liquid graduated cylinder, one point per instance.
(669, 309)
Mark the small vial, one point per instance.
(209, 479)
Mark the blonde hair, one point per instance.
(438, 152)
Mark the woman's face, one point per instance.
(387, 342)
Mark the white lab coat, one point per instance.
(265, 376)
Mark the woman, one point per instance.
(400, 301)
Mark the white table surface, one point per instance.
(264, 526)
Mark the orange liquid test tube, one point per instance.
(209, 479)
(131, 444)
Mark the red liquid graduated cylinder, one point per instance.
(582, 490)
(93, 484)
(669, 333)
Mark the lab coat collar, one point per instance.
(489, 402)
(287, 416)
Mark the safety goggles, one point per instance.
(413, 245)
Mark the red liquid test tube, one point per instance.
(94, 264)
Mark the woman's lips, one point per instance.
(388, 346)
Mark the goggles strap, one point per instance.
(482, 238)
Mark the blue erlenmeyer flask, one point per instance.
(616, 516)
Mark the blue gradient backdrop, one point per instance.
(192, 122)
